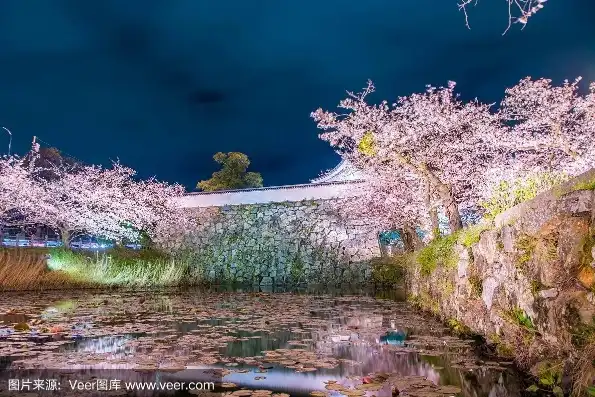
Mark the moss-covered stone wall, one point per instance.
(281, 243)
(527, 284)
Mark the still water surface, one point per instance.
(355, 344)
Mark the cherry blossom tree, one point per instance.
(519, 11)
(19, 194)
(552, 127)
(105, 202)
(161, 217)
(434, 136)
(394, 203)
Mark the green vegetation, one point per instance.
(470, 236)
(122, 267)
(476, 285)
(459, 328)
(519, 317)
(233, 174)
(550, 248)
(583, 334)
(525, 245)
(26, 269)
(424, 301)
(549, 378)
(296, 270)
(585, 185)
(529, 247)
(439, 252)
(367, 145)
(500, 246)
(536, 286)
(586, 252)
(510, 193)
(389, 271)
(503, 348)
(447, 287)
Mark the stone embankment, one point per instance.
(307, 241)
(527, 284)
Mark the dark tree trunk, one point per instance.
(66, 237)
(411, 240)
(452, 209)
(413, 236)
(432, 211)
(444, 191)
(447, 198)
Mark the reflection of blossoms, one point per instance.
(112, 345)
(340, 338)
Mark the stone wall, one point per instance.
(526, 283)
(281, 243)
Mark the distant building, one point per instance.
(343, 172)
(340, 182)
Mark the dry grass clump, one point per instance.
(584, 374)
(26, 269)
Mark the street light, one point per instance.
(10, 140)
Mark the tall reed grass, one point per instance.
(59, 268)
(26, 269)
(124, 268)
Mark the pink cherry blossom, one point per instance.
(18, 192)
(108, 203)
(552, 127)
(433, 137)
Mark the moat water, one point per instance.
(250, 343)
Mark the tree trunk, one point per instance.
(447, 197)
(432, 211)
(413, 236)
(382, 248)
(443, 190)
(452, 209)
(411, 240)
(407, 247)
(65, 236)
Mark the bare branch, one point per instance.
(524, 10)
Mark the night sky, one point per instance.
(164, 84)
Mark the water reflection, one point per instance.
(322, 338)
(393, 338)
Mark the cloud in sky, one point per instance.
(163, 85)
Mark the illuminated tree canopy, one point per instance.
(233, 174)
(80, 199)
(432, 150)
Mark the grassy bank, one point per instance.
(58, 268)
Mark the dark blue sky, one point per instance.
(164, 84)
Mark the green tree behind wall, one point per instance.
(233, 174)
